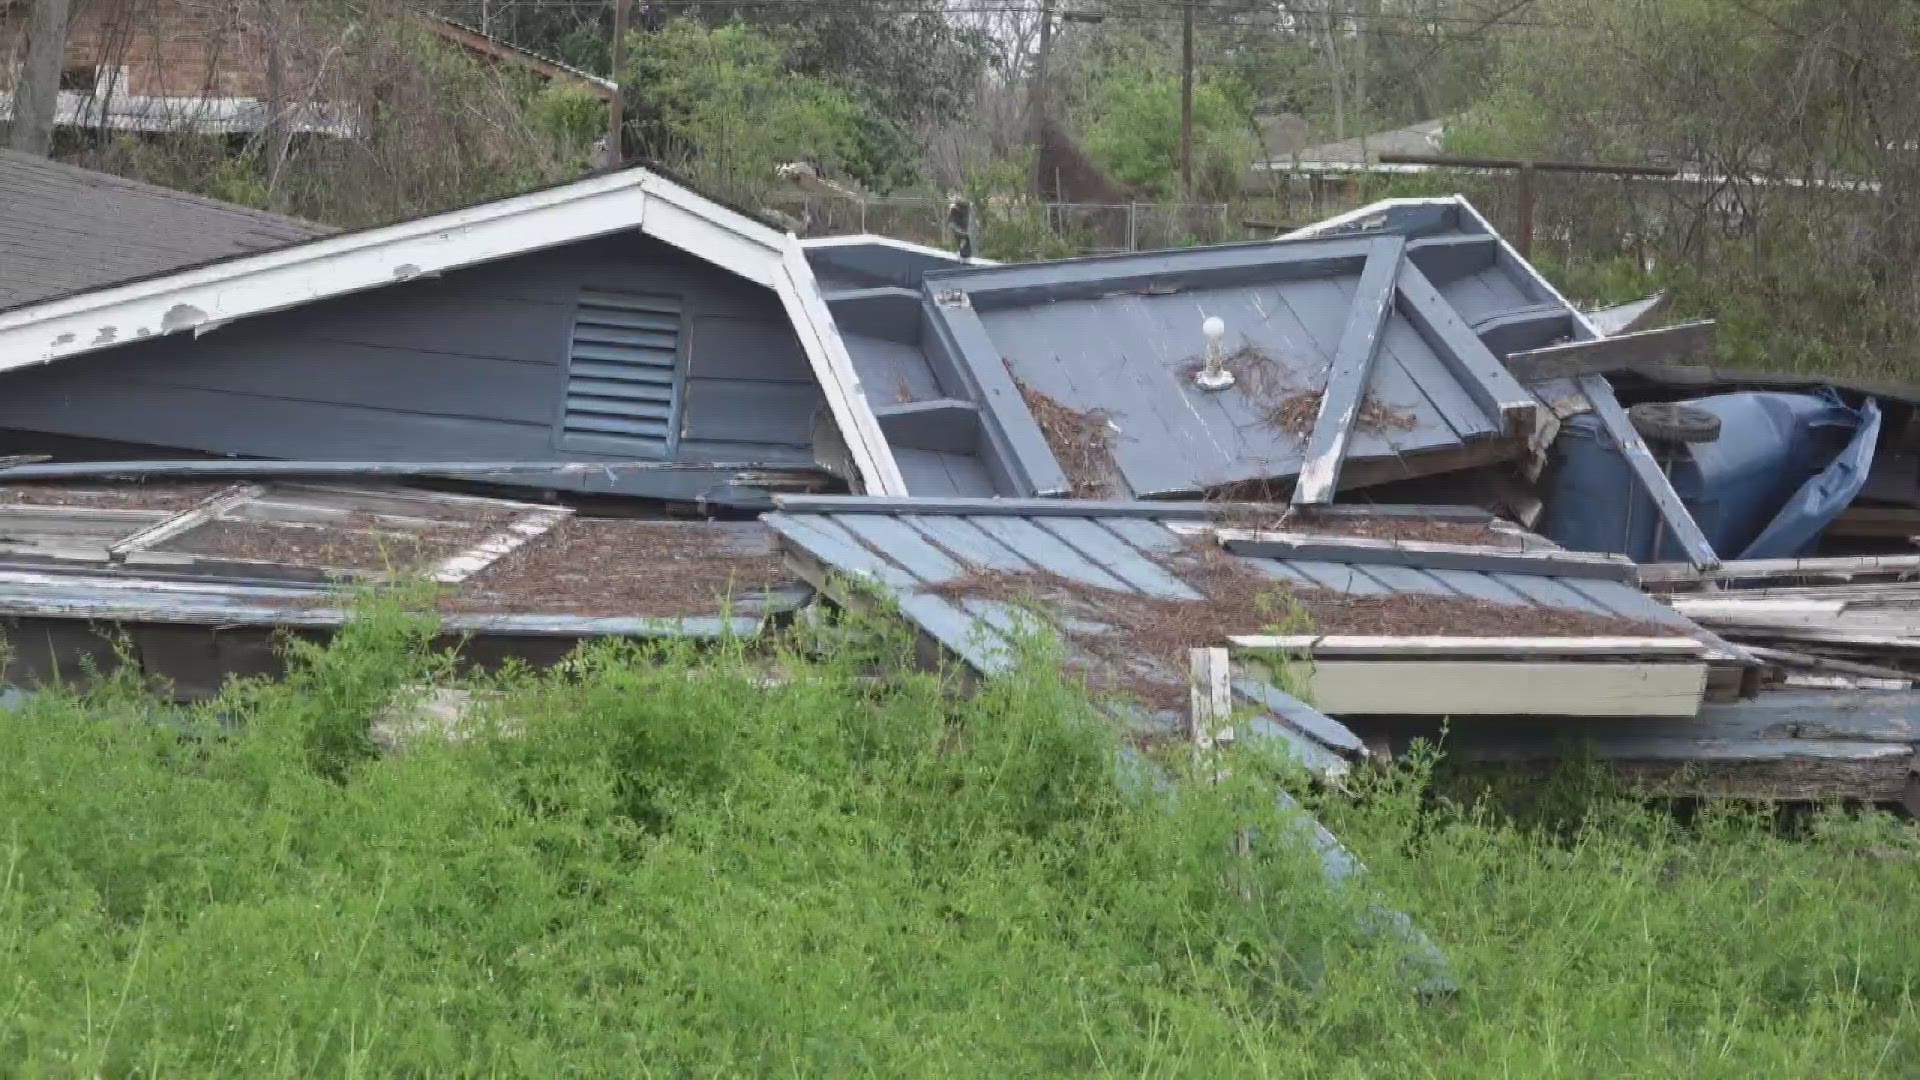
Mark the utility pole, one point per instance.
(1186, 99)
(617, 106)
(1037, 96)
(38, 91)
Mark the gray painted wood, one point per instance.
(1446, 258)
(1679, 520)
(1016, 436)
(879, 264)
(469, 366)
(1283, 572)
(1475, 585)
(1435, 556)
(903, 545)
(890, 312)
(1528, 328)
(966, 542)
(1304, 752)
(1629, 602)
(890, 371)
(1306, 718)
(1047, 551)
(1148, 536)
(1139, 509)
(1407, 579)
(839, 551)
(1350, 374)
(1320, 306)
(1462, 409)
(1118, 557)
(941, 473)
(1479, 372)
(1618, 354)
(1336, 577)
(944, 424)
(751, 412)
(1096, 276)
(1548, 592)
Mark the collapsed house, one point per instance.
(1409, 488)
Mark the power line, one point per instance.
(1226, 13)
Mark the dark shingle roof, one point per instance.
(66, 230)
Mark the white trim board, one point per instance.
(1445, 645)
(204, 298)
(875, 239)
(1465, 688)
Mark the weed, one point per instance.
(658, 861)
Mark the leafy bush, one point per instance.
(1133, 131)
(727, 98)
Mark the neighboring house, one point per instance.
(621, 321)
(1360, 154)
(163, 66)
(65, 229)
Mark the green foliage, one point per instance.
(1012, 226)
(649, 861)
(728, 99)
(1132, 120)
(570, 114)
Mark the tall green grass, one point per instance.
(649, 863)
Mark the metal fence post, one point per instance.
(1133, 226)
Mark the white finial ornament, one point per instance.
(1215, 375)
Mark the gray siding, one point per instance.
(470, 366)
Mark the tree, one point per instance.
(37, 93)
(727, 101)
(1132, 122)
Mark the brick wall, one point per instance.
(167, 48)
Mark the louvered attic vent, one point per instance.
(623, 374)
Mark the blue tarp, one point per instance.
(1798, 524)
(1784, 465)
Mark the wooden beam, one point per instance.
(1363, 551)
(1788, 658)
(192, 519)
(1299, 715)
(520, 532)
(1620, 354)
(1169, 510)
(1210, 719)
(1654, 479)
(1462, 688)
(1450, 257)
(1495, 391)
(1843, 567)
(1733, 606)
(1350, 373)
(1438, 645)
